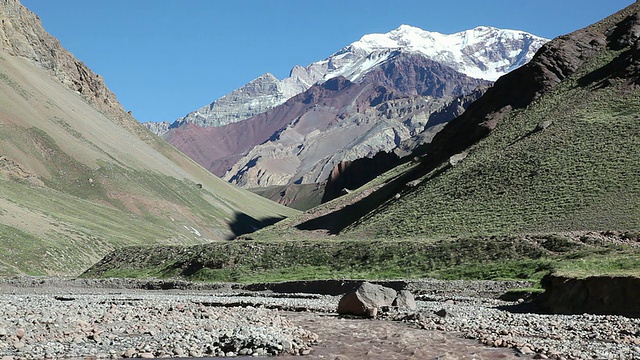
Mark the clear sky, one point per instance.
(165, 58)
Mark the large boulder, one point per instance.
(366, 300)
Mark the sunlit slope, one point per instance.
(568, 161)
(75, 184)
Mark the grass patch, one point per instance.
(495, 258)
(469, 258)
(624, 262)
(527, 269)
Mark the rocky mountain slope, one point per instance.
(483, 53)
(348, 175)
(395, 85)
(552, 146)
(300, 141)
(80, 177)
(259, 95)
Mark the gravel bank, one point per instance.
(141, 325)
(72, 318)
(511, 325)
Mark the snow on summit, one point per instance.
(483, 52)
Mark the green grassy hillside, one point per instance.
(579, 173)
(76, 184)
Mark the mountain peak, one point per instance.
(483, 52)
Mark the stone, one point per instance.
(525, 350)
(20, 333)
(260, 352)
(146, 355)
(456, 159)
(287, 345)
(544, 125)
(366, 297)
(372, 312)
(441, 312)
(405, 300)
(129, 353)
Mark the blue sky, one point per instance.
(165, 58)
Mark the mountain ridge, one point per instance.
(355, 60)
(22, 34)
(300, 141)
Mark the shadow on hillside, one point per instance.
(336, 221)
(244, 224)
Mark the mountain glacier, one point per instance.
(483, 53)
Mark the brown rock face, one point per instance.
(412, 74)
(22, 34)
(350, 175)
(218, 148)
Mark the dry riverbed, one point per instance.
(55, 318)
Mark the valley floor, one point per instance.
(114, 318)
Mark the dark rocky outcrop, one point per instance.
(604, 295)
(324, 287)
(349, 175)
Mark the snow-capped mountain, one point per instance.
(483, 52)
